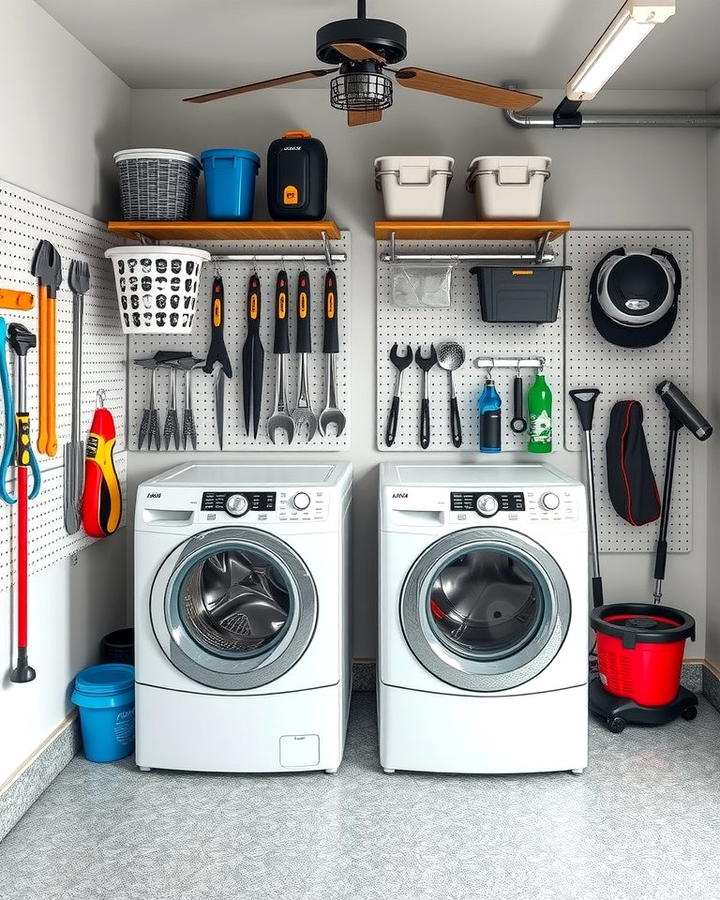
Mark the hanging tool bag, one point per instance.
(631, 481)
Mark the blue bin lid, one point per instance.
(230, 151)
(108, 678)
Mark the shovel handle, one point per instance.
(52, 443)
(42, 441)
(584, 399)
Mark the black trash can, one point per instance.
(118, 647)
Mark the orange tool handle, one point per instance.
(16, 299)
(52, 443)
(42, 440)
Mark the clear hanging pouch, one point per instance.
(421, 285)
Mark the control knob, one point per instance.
(236, 505)
(550, 501)
(487, 505)
(301, 501)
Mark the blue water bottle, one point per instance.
(489, 411)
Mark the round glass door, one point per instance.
(234, 608)
(485, 609)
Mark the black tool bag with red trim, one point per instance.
(631, 481)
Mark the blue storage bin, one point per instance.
(230, 182)
(105, 695)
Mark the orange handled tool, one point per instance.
(47, 268)
(102, 500)
(10, 299)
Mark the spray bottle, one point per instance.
(490, 422)
(540, 415)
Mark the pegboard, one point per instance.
(462, 322)
(235, 275)
(623, 374)
(25, 219)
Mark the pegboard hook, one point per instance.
(327, 249)
(100, 398)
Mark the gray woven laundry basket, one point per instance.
(157, 185)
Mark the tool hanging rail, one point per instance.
(541, 255)
(493, 362)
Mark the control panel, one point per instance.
(238, 503)
(486, 503)
(536, 504)
(303, 505)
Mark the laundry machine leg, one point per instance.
(145, 768)
(577, 771)
(331, 771)
(388, 771)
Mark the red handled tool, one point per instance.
(102, 500)
(21, 340)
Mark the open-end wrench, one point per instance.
(281, 420)
(401, 363)
(426, 363)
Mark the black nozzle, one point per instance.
(21, 339)
(683, 410)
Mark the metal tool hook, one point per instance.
(100, 398)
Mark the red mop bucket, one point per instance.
(640, 650)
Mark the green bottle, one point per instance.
(540, 414)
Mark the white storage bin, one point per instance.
(157, 287)
(508, 187)
(413, 187)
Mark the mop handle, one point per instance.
(584, 399)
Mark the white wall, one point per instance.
(601, 178)
(713, 612)
(63, 115)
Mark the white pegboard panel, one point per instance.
(462, 322)
(235, 277)
(623, 374)
(25, 219)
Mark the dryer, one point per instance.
(242, 619)
(483, 626)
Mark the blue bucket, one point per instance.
(230, 183)
(105, 696)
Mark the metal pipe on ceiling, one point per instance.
(620, 120)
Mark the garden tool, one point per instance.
(47, 268)
(451, 356)
(186, 365)
(217, 361)
(74, 450)
(253, 358)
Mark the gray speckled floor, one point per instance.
(643, 822)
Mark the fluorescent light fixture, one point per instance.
(624, 34)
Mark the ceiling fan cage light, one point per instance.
(361, 91)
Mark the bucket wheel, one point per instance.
(616, 724)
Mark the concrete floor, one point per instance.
(643, 822)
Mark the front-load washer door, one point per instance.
(485, 609)
(234, 608)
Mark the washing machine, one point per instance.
(242, 618)
(483, 625)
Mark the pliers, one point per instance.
(10, 447)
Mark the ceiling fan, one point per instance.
(362, 51)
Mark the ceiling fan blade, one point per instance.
(363, 116)
(357, 53)
(464, 89)
(259, 85)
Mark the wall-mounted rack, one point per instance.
(494, 362)
(325, 232)
(539, 233)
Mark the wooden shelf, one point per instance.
(227, 231)
(439, 230)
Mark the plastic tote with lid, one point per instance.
(230, 183)
(105, 695)
(413, 187)
(508, 187)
